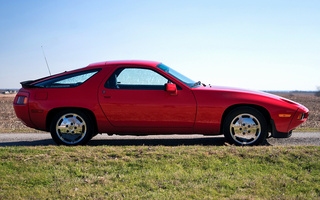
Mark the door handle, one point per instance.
(106, 96)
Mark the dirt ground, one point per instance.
(10, 123)
(8, 120)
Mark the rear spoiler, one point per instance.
(28, 84)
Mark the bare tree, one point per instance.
(317, 94)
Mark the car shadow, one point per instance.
(205, 141)
(45, 142)
(217, 141)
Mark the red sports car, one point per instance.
(145, 97)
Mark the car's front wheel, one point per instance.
(245, 126)
(71, 127)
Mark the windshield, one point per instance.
(177, 75)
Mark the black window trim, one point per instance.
(55, 79)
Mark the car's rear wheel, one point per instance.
(71, 127)
(245, 126)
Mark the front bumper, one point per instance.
(277, 134)
(298, 118)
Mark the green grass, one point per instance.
(158, 172)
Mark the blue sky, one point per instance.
(260, 45)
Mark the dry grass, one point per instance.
(9, 123)
(8, 120)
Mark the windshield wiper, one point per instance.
(196, 83)
(199, 83)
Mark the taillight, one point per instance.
(22, 100)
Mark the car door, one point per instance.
(136, 97)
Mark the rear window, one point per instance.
(66, 81)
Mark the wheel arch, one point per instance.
(54, 111)
(261, 109)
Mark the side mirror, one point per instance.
(172, 89)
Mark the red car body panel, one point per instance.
(147, 108)
(192, 110)
(213, 101)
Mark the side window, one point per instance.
(70, 80)
(136, 78)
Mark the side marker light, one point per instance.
(285, 115)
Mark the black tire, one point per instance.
(245, 126)
(71, 127)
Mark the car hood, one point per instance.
(247, 93)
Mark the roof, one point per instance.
(124, 62)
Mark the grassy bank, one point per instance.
(158, 172)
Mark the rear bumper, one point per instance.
(22, 110)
